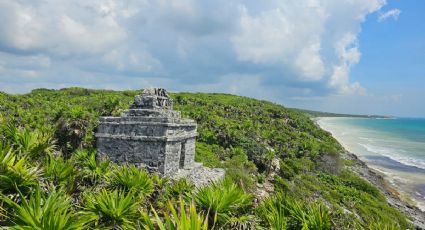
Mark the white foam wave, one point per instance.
(392, 154)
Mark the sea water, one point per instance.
(394, 147)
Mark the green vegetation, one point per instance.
(50, 177)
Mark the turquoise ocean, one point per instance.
(394, 147)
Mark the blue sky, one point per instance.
(362, 56)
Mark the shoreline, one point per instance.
(395, 196)
(376, 178)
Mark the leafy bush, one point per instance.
(60, 172)
(43, 212)
(281, 212)
(239, 169)
(222, 200)
(111, 209)
(176, 219)
(15, 174)
(92, 171)
(273, 213)
(129, 177)
(30, 143)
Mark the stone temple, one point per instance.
(153, 136)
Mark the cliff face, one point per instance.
(260, 144)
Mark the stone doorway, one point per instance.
(182, 154)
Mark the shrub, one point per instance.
(15, 174)
(349, 179)
(223, 200)
(60, 172)
(283, 212)
(128, 178)
(272, 213)
(43, 212)
(92, 171)
(240, 170)
(110, 209)
(30, 143)
(184, 218)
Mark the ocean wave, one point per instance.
(392, 154)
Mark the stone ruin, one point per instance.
(153, 136)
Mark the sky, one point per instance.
(346, 56)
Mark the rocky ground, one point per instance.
(200, 175)
(415, 214)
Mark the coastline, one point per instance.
(395, 197)
(376, 178)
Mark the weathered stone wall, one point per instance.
(149, 134)
(119, 150)
(153, 136)
(189, 154)
(172, 157)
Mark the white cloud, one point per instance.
(293, 34)
(307, 47)
(284, 35)
(309, 62)
(394, 13)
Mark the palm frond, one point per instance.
(43, 212)
(273, 214)
(111, 209)
(182, 218)
(92, 171)
(130, 177)
(223, 200)
(61, 172)
(15, 174)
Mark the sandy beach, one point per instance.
(403, 184)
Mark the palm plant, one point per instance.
(61, 172)
(296, 212)
(42, 212)
(33, 143)
(318, 217)
(282, 212)
(92, 171)
(130, 178)
(111, 209)
(184, 219)
(313, 217)
(166, 190)
(223, 200)
(15, 174)
(272, 212)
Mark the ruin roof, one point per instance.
(153, 98)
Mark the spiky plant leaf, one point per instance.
(272, 213)
(61, 172)
(223, 200)
(92, 170)
(111, 209)
(43, 212)
(318, 217)
(15, 174)
(130, 178)
(30, 143)
(183, 218)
